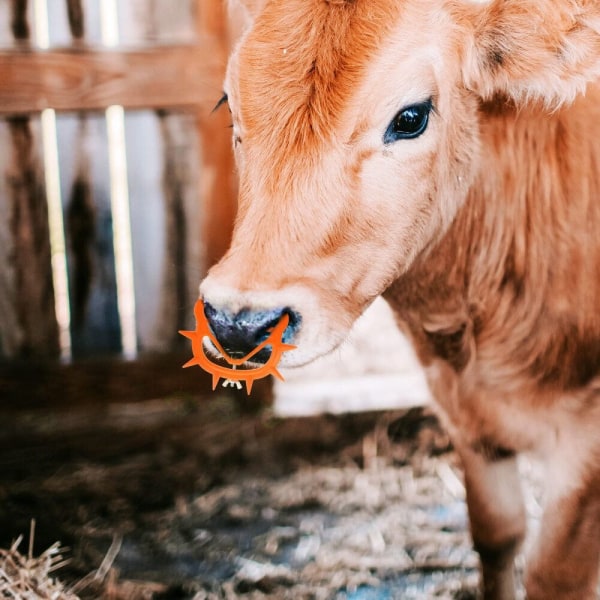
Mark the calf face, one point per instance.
(355, 146)
(355, 128)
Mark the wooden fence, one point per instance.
(117, 191)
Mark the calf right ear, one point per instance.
(539, 49)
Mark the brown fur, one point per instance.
(482, 233)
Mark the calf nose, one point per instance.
(242, 332)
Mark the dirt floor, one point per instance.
(187, 499)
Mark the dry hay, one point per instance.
(335, 509)
(30, 578)
(341, 532)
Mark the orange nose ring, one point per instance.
(234, 375)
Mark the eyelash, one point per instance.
(224, 99)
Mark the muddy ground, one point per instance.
(194, 499)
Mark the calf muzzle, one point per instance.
(243, 331)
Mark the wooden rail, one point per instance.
(103, 381)
(77, 80)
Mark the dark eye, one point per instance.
(409, 123)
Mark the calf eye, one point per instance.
(409, 123)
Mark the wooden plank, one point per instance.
(29, 268)
(28, 326)
(217, 173)
(175, 299)
(159, 77)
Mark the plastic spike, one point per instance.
(277, 374)
(215, 381)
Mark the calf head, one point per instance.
(356, 135)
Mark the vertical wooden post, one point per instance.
(75, 14)
(33, 293)
(217, 175)
(80, 215)
(18, 20)
(174, 293)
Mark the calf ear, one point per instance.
(531, 49)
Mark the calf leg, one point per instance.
(565, 563)
(497, 517)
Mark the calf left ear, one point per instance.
(531, 49)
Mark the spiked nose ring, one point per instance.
(231, 374)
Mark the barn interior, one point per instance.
(123, 475)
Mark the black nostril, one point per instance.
(240, 333)
(216, 318)
(293, 325)
(259, 324)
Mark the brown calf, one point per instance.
(445, 154)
